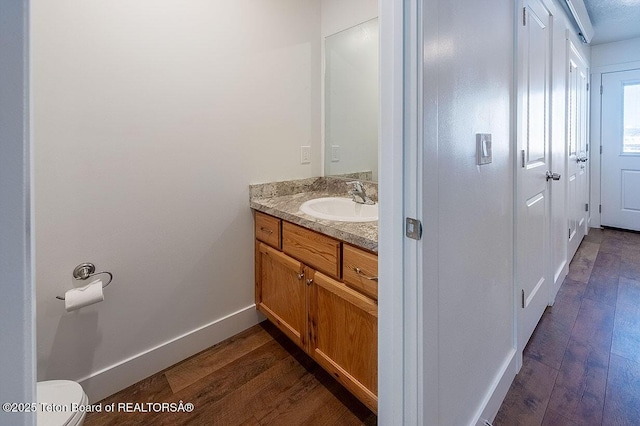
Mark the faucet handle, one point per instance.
(357, 185)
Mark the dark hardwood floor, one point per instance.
(582, 364)
(258, 377)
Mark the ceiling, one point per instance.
(614, 20)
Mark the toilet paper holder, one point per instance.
(86, 270)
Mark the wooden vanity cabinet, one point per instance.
(344, 336)
(360, 270)
(268, 230)
(282, 293)
(300, 290)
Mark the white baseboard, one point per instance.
(118, 376)
(497, 391)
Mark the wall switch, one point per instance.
(305, 154)
(335, 153)
(483, 148)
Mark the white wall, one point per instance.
(17, 306)
(618, 52)
(150, 120)
(469, 88)
(338, 15)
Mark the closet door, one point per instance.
(577, 172)
(533, 259)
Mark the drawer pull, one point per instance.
(359, 272)
(263, 229)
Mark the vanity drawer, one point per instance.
(268, 229)
(360, 270)
(316, 250)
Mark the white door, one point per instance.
(577, 173)
(532, 193)
(620, 172)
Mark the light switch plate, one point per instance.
(483, 148)
(335, 153)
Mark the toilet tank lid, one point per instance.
(60, 395)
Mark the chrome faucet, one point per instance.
(357, 193)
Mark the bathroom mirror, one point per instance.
(351, 102)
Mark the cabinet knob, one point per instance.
(310, 281)
(301, 275)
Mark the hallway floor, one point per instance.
(582, 364)
(257, 377)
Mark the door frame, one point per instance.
(17, 304)
(596, 137)
(401, 395)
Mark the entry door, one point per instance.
(620, 126)
(532, 193)
(577, 174)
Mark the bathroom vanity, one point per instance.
(321, 292)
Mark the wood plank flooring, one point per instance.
(582, 364)
(258, 377)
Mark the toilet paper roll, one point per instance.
(83, 296)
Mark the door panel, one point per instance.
(577, 173)
(344, 336)
(281, 293)
(532, 230)
(620, 177)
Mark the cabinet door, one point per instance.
(282, 293)
(344, 336)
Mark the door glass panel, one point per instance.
(631, 141)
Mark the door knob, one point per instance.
(554, 176)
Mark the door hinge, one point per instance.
(600, 208)
(413, 228)
(524, 16)
(587, 149)
(587, 87)
(600, 149)
(601, 89)
(586, 207)
(569, 233)
(523, 298)
(522, 157)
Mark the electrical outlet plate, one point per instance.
(305, 154)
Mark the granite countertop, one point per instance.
(283, 200)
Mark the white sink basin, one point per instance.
(340, 209)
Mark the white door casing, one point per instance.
(620, 161)
(576, 136)
(532, 192)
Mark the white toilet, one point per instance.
(60, 395)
